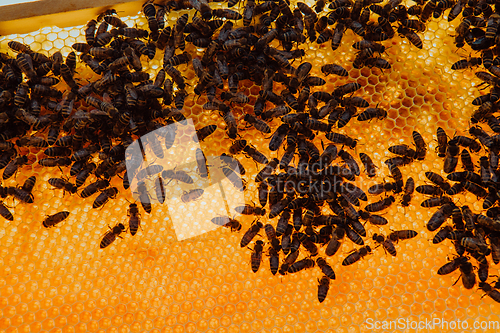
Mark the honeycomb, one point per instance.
(58, 279)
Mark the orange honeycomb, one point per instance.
(58, 280)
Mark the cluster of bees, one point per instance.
(472, 234)
(125, 103)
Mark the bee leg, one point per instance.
(457, 280)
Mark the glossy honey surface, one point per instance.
(58, 280)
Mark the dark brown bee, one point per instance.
(4, 211)
(237, 146)
(380, 205)
(381, 188)
(109, 193)
(110, 236)
(13, 165)
(342, 139)
(346, 89)
(149, 11)
(466, 142)
(29, 184)
(274, 260)
(201, 161)
(227, 13)
(234, 178)
(387, 244)
(372, 113)
(467, 160)
(178, 175)
(52, 220)
(475, 189)
(373, 219)
(468, 276)
(256, 257)
(490, 291)
(398, 235)
(251, 233)
(21, 94)
(192, 195)
(411, 36)
(323, 287)
(301, 265)
(488, 222)
(57, 152)
(19, 47)
(134, 221)
(438, 180)
(429, 190)
(53, 162)
(62, 184)
(325, 268)
(248, 12)
(403, 150)
(278, 137)
(442, 234)
(420, 145)
(255, 154)
(259, 124)
(440, 216)
(452, 266)
(397, 176)
(495, 250)
(263, 193)
(442, 142)
(32, 141)
(451, 158)
(94, 187)
(267, 170)
(356, 255)
(333, 69)
(204, 132)
(435, 201)
(408, 191)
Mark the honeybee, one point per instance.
(380, 205)
(134, 218)
(5, 212)
(227, 222)
(179, 175)
(110, 236)
(109, 193)
(356, 255)
(251, 233)
(52, 220)
(259, 124)
(342, 139)
(408, 191)
(256, 155)
(387, 244)
(301, 265)
(192, 195)
(250, 210)
(62, 184)
(256, 258)
(323, 287)
(346, 89)
(325, 268)
(440, 216)
(94, 187)
(373, 219)
(333, 69)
